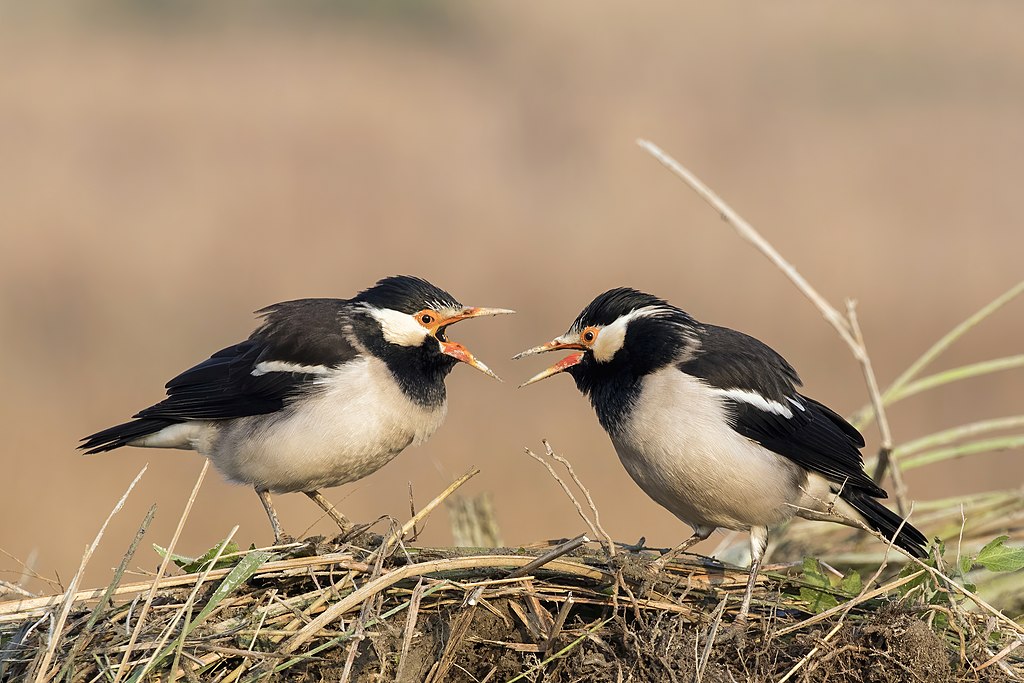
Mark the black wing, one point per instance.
(728, 359)
(814, 437)
(297, 343)
(224, 387)
(794, 426)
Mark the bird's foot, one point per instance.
(351, 533)
(735, 633)
(637, 547)
(283, 539)
(655, 567)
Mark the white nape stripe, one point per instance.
(399, 328)
(797, 403)
(266, 366)
(758, 401)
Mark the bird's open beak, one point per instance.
(460, 352)
(561, 366)
(473, 312)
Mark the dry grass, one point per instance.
(320, 610)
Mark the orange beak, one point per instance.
(558, 344)
(458, 351)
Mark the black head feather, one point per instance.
(407, 294)
(612, 305)
(663, 335)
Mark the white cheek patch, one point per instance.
(611, 337)
(399, 328)
(609, 340)
(758, 401)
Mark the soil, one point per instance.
(892, 647)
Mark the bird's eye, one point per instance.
(589, 335)
(426, 318)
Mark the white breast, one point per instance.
(353, 426)
(678, 447)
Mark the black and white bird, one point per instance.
(709, 423)
(324, 392)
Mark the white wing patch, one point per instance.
(399, 328)
(266, 366)
(758, 401)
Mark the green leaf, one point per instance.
(190, 565)
(914, 583)
(966, 563)
(851, 584)
(241, 572)
(245, 568)
(998, 557)
(179, 560)
(817, 600)
(813, 573)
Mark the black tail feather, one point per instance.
(122, 435)
(887, 522)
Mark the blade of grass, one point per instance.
(239, 574)
(51, 649)
(866, 414)
(67, 671)
(159, 654)
(956, 433)
(946, 341)
(974, 500)
(955, 375)
(126, 657)
(981, 446)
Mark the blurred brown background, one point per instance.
(167, 168)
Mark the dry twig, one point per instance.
(606, 540)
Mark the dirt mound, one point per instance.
(554, 612)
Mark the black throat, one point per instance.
(419, 370)
(613, 390)
(614, 386)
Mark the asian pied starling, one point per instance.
(324, 392)
(709, 423)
